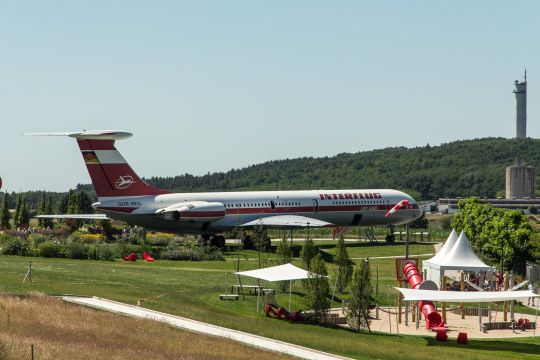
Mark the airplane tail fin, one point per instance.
(110, 173)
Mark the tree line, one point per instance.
(461, 168)
(457, 169)
(74, 202)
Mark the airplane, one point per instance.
(123, 195)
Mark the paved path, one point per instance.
(391, 257)
(200, 327)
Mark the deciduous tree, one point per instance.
(344, 265)
(317, 288)
(357, 312)
(5, 215)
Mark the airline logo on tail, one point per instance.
(124, 182)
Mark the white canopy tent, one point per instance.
(279, 273)
(447, 246)
(454, 255)
(285, 272)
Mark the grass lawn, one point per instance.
(60, 330)
(191, 289)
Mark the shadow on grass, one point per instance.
(490, 345)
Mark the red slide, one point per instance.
(433, 318)
(281, 313)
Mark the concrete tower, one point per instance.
(520, 182)
(521, 107)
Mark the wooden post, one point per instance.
(462, 289)
(407, 313)
(444, 304)
(506, 302)
(480, 316)
(417, 316)
(511, 285)
(413, 312)
(399, 308)
(377, 282)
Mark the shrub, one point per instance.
(162, 241)
(91, 252)
(213, 254)
(76, 250)
(49, 249)
(192, 254)
(37, 238)
(12, 245)
(106, 252)
(184, 253)
(126, 249)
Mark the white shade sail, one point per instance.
(464, 296)
(279, 273)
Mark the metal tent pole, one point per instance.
(290, 291)
(258, 294)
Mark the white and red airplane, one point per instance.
(123, 195)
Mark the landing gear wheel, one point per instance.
(217, 241)
(247, 242)
(204, 240)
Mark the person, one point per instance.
(530, 287)
(499, 280)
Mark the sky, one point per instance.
(208, 86)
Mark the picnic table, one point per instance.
(253, 289)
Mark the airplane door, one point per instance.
(315, 206)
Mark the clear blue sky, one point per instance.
(208, 86)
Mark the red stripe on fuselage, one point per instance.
(305, 209)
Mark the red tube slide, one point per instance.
(433, 318)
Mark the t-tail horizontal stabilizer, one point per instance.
(75, 216)
(89, 135)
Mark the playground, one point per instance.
(387, 322)
(426, 294)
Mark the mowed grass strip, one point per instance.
(191, 289)
(59, 330)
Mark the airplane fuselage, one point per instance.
(123, 195)
(339, 207)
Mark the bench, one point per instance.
(229, 297)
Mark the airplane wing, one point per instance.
(75, 216)
(288, 221)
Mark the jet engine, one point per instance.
(193, 211)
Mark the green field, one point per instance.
(191, 289)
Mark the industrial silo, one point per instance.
(520, 182)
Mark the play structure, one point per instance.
(133, 257)
(456, 275)
(281, 313)
(433, 318)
